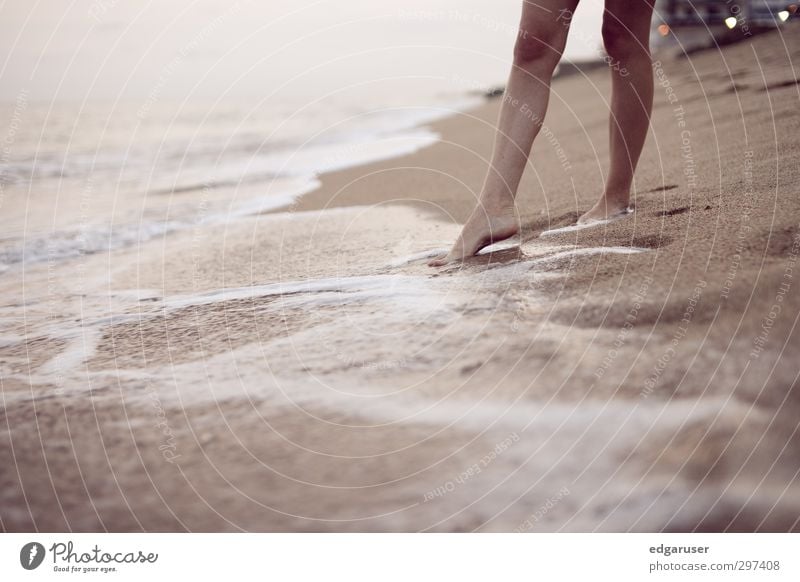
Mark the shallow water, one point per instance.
(349, 319)
(122, 179)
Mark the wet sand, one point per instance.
(304, 370)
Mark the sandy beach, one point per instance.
(303, 369)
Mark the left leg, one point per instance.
(626, 35)
(540, 43)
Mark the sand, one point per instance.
(304, 370)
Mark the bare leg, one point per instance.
(541, 40)
(626, 32)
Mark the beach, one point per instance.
(297, 366)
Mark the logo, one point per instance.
(31, 555)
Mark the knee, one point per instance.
(537, 51)
(621, 44)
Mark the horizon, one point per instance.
(206, 50)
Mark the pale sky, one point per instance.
(129, 49)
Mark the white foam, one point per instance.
(522, 266)
(436, 252)
(400, 406)
(341, 284)
(592, 224)
(548, 418)
(135, 294)
(82, 345)
(398, 294)
(88, 240)
(375, 287)
(500, 246)
(420, 256)
(85, 241)
(262, 204)
(393, 297)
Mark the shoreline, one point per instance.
(386, 132)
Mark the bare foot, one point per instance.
(605, 209)
(489, 223)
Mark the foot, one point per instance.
(605, 209)
(489, 223)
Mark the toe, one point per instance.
(439, 262)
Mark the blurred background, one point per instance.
(109, 49)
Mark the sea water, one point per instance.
(87, 178)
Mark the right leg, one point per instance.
(626, 35)
(543, 33)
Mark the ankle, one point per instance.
(496, 201)
(616, 198)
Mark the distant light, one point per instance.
(731, 22)
(783, 15)
(663, 29)
(792, 8)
